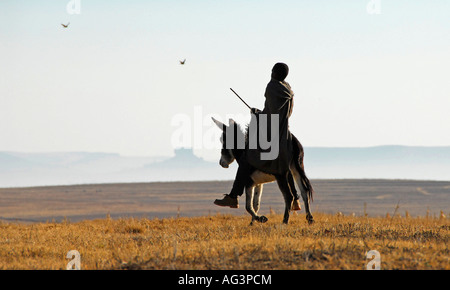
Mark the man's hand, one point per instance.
(255, 111)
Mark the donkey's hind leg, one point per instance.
(300, 177)
(287, 194)
(295, 204)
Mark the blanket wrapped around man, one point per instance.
(279, 100)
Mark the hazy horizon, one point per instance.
(217, 151)
(68, 168)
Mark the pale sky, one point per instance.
(111, 81)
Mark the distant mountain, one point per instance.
(379, 154)
(184, 166)
(19, 169)
(11, 162)
(391, 162)
(53, 159)
(184, 158)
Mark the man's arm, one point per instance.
(255, 111)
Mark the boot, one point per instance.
(227, 201)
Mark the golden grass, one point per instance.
(228, 242)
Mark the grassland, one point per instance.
(228, 242)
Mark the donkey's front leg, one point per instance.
(257, 194)
(249, 202)
(257, 197)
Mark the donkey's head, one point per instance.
(228, 153)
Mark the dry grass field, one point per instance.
(228, 242)
(175, 225)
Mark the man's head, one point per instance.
(280, 71)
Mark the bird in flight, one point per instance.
(182, 62)
(65, 25)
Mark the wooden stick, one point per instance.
(240, 98)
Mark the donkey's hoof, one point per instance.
(310, 221)
(263, 219)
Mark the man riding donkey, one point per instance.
(278, 106)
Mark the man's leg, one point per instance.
(242, 179)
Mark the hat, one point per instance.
(280, 71)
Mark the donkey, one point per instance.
(253, 192)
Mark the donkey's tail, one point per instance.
(305, 181)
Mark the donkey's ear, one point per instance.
(219, 124)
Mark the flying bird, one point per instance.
(65, 25)
(182, 62)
